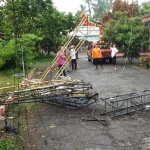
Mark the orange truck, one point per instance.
(106, 54)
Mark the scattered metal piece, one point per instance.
(102, 121)
(127, 103)
(10, 128)
(69, 94)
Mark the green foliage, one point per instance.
(14, 52)
(27, 50)
(144, 8)
(56, 27)
(40, 18)
(130, 32)
(9, 144)
(29, 47)
(7, 55)
(43, 60)
(42, 63)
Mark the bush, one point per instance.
(7, 55)
(16, 53)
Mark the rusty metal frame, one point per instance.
(126, 104)
(72, 95)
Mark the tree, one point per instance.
(124, 6)
(144, 8)
(13, 53)
(35, 17)
(7, 55)
(101, 7)
(119, 5)
(82, 8)
(88, 2)
(116, 6)
(56, 26)
(41, 19)
(133, 9)
(129, 32)
(106, 17)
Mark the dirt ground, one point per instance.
(54, 127)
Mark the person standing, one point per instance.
(97, 56)
(61, 61)
(114, 51)
(90, 46)
(73, 58)
(68, 57)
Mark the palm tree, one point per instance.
(88, 2)
(100, 7)
(82, 8)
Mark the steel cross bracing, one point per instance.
(74, 95)
(63, 48)
(66, 45)
(76, 50)
(125, 104)
(77, 47)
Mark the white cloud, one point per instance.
(74, 5)
(68, 5)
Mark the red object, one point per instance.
(102, 42)
(1, 110)
(146, 18)
(86, 22)
(3, 107)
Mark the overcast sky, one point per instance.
(68, 5)
(74, 5)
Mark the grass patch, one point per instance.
(10, 143)
(41, 64)
(47, 59)
(7, 76)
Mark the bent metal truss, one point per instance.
(71, 94)
(125, 104)
(67, 92)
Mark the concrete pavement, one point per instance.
(53, 127)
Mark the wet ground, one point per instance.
(54, 127)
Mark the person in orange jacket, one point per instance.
(97, 56)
